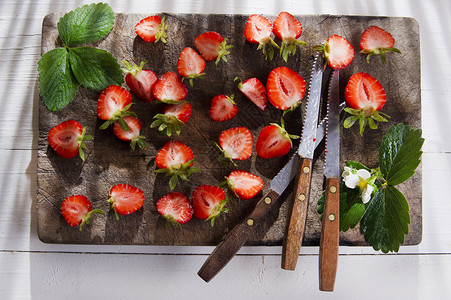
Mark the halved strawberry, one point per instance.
(208, 202)
(258, 30)
(113, 105)
(245, 185)
(140, 81)
(175, 208)
(377, 41)
(152, 29)
(174, 115)
(274, 141)
(190, 65)
(364, 97)
(235, 143)
(212, 46)
(285, 88)
(125, 199)
(68, 139)
(77, 210)
(223, 108)
(254, 90)
(169, 88)
(288, 29)
(175, 159)
(337, 51)
(132, 134)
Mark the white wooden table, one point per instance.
(31, 269)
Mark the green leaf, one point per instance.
(386, 220)
(86, 24)
(173, 181)
(399, 153)
(57, 84)
(95, 68)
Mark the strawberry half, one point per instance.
(223, 108)
(274, 141)
(364, 96)
(175, 208)
(258, 30)
(77, 210)
(377, 41)
(235, 143)
(113, 105)
(288, 30)
(169, 88)
(208, 202)
(152, 29)
(125, 199)
(245, 185)
(254, 90)
(175, 159)
(286, 88)
(68, 139)
(190, 65)
(337, 51)
(174, 116)
(132, 134)
(140, 81)
(212, 46)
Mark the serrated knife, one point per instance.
(328, 253)
(298, 211)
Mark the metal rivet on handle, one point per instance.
(268, 200)
(331, 217)
(306, 170)
(301, 197)
(250, 222)
(333, 189)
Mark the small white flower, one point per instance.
(360, 178)
(366, 193)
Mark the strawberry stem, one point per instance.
(86, 218)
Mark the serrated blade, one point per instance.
(308, 137)
(332, 164)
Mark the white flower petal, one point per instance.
(352, 181)
(366, 194)
(364, 174)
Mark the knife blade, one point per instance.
(328, 253)
(298, 212)
(236, 238)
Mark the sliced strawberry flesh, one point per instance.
(272, 142)
(175, 206)
(181, 111)
(236, 143)
(74, 208)
(112, 101)
(172, 154)
(285, 88)
(246, 185)
(126, 199)
(134, 128)
(364, 91)
(64, 138)
(258, 29)
(375, 37)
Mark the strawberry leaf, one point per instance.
(57, 84)
(386, 220)
(400, 153)
(95, 68)
(86, 24)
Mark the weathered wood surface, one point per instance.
(110, 161)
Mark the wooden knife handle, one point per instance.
(328, 251)
(236, 238)
(296, 225)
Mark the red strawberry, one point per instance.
(254, 90)
(140, 81)
(175, 208)
(125, 199)
(114, 104)
(68, 139)
(288, 29)
(176, 160)
(245, 185)
(174, 115)
(223, 108)
(235, 143)
(77, 210)
(285, 88)
(169, 88)
(337, 51)
(364, 97)
(190, 65)
(274, 141)
(212, 46)
(132, 134)
(152, 29)
(258, 30)
(376, 41)
(208, 202)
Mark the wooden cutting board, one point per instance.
(110, 161)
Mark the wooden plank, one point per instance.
(110, 161)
